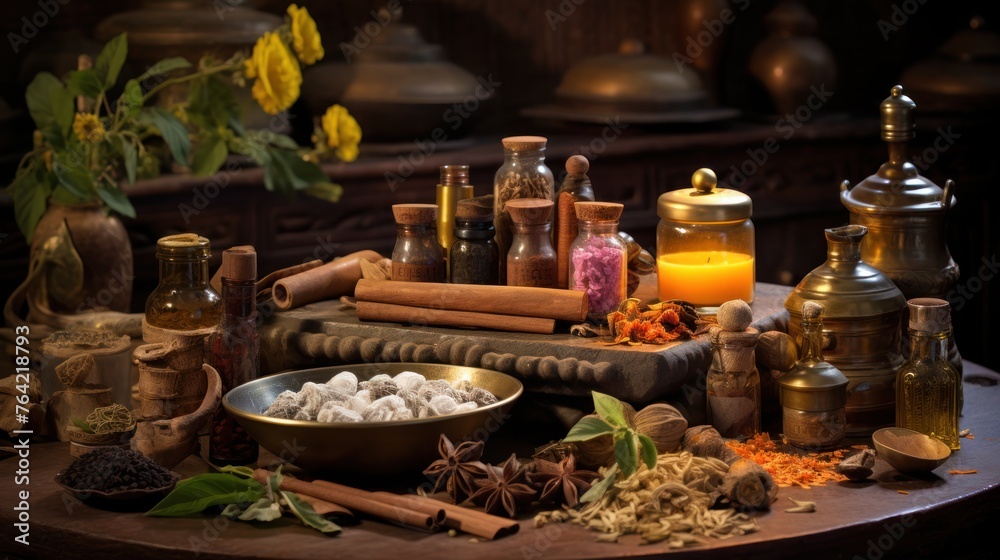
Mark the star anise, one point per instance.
(562, 480)
(504, 488)
(458, 468)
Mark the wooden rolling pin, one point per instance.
(332, 280)
(548, 303)
(387, 312)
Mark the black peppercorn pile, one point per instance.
(112, 469)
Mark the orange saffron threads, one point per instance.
(789, 469)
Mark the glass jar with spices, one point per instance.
(928, 387)
(183, 300)
(522, 175)
(474, 255)
(813, 393)
(598, 258)
(531, 260)
(417, 256)
(454, 186)
(705, 244)
(733, 384)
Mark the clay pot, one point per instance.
(104, 248)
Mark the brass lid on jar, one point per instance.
(844, 285)
(813, 387)
(897, 116)
(704, 202)
(929, 315)
(183, 246)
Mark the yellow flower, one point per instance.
(88, 128)
(276, 72)
(342, 132)
(305, 38)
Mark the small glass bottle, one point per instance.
(474, 256)
(575, 188)
(813, 393)
(235, 355)
(928, 387)
(733, 384)
(598, 258)
(454, 187)
(531, 260)
(417, 256)
(522, 175)
(183, 300)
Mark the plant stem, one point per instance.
(187, 78)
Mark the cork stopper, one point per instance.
(577, 165)
(530, 211)
(897, 110)
(929, 314)
(240, 264)
(598, 211)
(478, 209)
(811, 310)
(454, 174)
(415, 214)
(735, 348)
(524, 143)
(734, 315)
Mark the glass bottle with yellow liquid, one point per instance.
(928, 387)
(705, 244)
(183, 300)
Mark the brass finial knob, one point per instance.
(897, 116)
(704, 180)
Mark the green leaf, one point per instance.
(84, 82)
(286, 172)
(83, 425)
(209, 155)
(194, 494)
(588, 428)
(173, 132)
(164, 66)
(278, 140)
(116, 199)
(261, 510)
(598, 490)
(330, 192)
(308, 515)
(610, 409)
(245, 472)
(50, 104)
(62, 195)
(131, 99)
(109, 63)
(31, 193)
(648, 448)
(131, 158)
(211, 103)
(625, 453)
(76, 179)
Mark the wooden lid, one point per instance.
(415, 213)
(598, 211)
(239, 263)
(577, 165)
(523, 143)
(530, 211)
(478, 209)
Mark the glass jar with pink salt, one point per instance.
(598, 262)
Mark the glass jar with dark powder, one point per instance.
(532, 259)
(475, 258)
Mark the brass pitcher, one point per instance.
(905, 214)
(861, 327)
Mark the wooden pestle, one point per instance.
(332, 280)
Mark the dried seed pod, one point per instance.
(857, 467)
(664, 424)
(734, 315)
(75, 371)
(777, 350)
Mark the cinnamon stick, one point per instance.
(371, 311)
(330, 281)
(434, 510)
(356, 501)
(549, 303)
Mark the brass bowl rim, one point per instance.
(313, 424)
(923, 463)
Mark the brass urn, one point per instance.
(905, 214)
(861, 327)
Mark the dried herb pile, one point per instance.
(113, 469)
(789, 469)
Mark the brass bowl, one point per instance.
(906, 462)
(367, 448)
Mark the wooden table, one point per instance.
(942, 515)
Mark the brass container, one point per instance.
(861, 327)
(454, 186)
(905, 214)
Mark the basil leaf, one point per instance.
(243, 471)
(588, 428)
(261, 510)
(50, 104)
(209, 155)
(648, 448)
(598, 490)
(625, 453)
(116, 199)
(173, 132)
(194, 494)
(308, 515)
(164, 66)
(610, 409)
(109, 63)
(83, 425)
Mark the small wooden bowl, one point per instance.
(84, 494)
(76, 435)
(886, 444)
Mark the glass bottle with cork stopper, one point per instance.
(732, 382)
(184, 299)
(598, 263)
(454, 186)
(531, 260)
(813, 393)
(522, 175)
(928, 387)
(235, 354)
(575, 188)
(417, 255)
(705, 244)
(474, 256)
